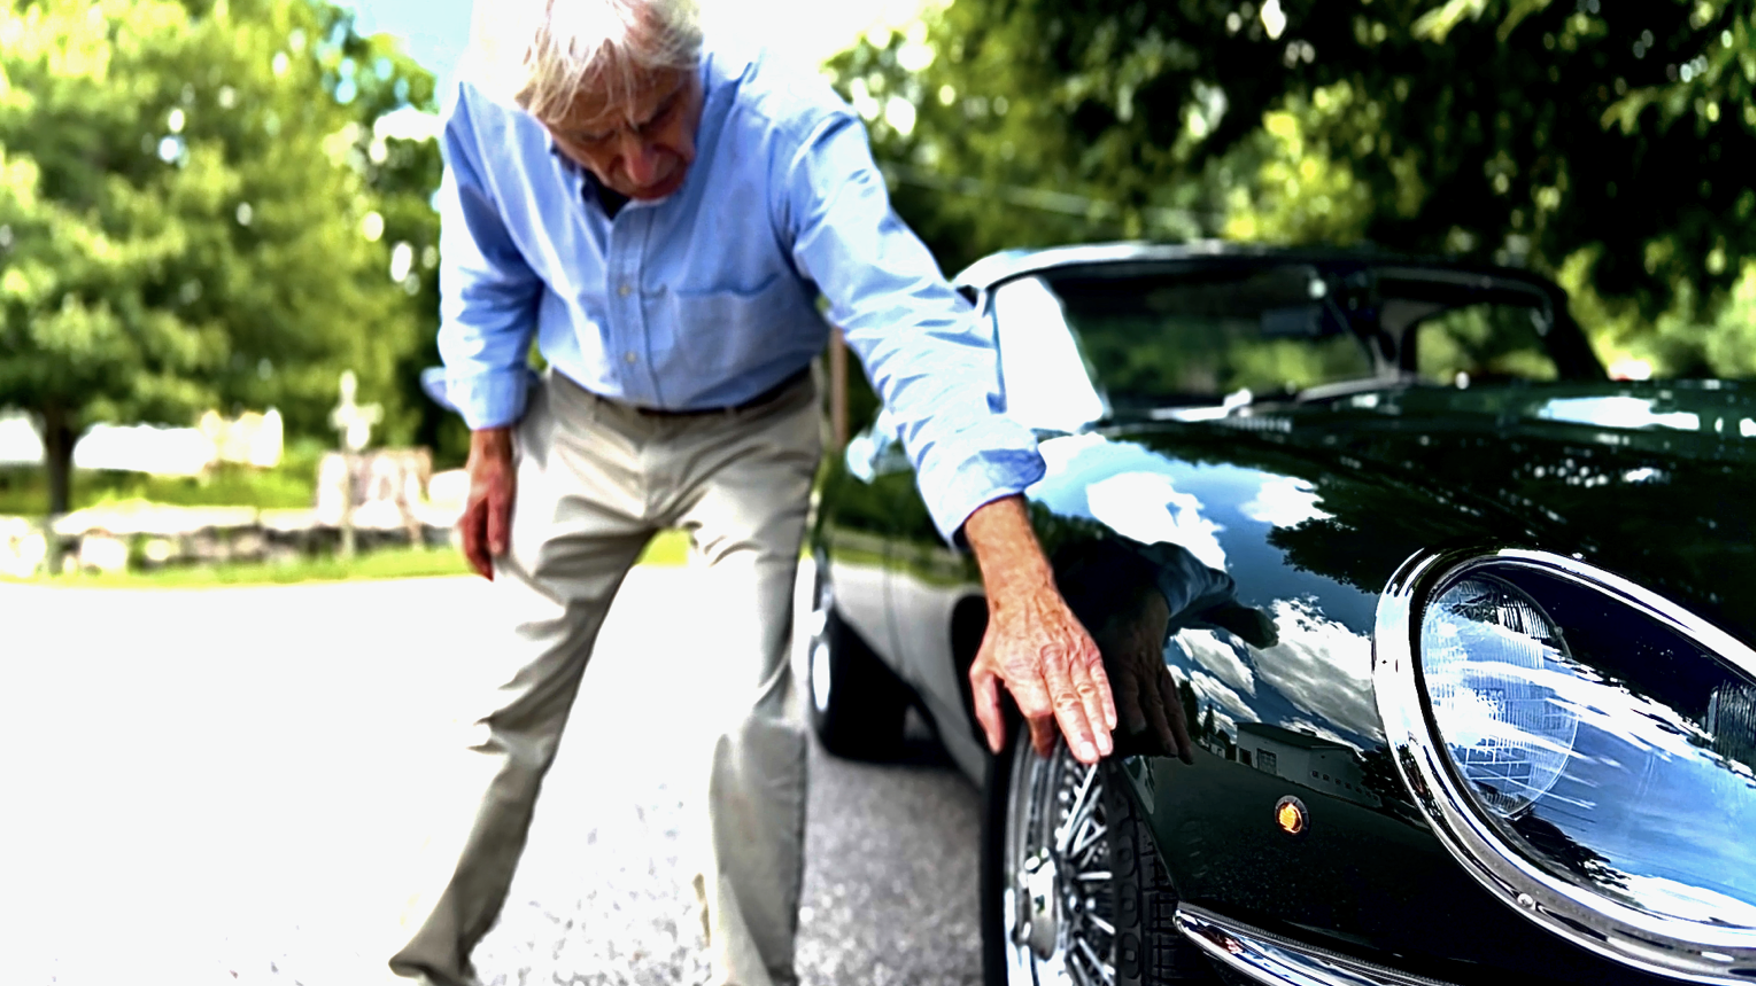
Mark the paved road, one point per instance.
(225, 787)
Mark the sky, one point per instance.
(436, 31)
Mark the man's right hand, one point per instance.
(486, 524)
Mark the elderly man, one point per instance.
(663, 215)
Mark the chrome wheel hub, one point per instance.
(1041, 921)
(1057, 864)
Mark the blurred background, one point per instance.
(218, 286)
(212, 211)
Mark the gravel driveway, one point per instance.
(223, 786)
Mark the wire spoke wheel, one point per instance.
(1057, 902)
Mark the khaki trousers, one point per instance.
(595, 481)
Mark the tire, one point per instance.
(1044, 926)
(856, 705)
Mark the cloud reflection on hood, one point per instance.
(1285, 501)
(1148, 507)
(1216, 693)
(1321, 667)
(1219, 657)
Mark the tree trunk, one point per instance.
(838, 389)
(58, 438)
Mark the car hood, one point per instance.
(1646, 480)
(1305, 510)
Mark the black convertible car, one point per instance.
(1460, 628)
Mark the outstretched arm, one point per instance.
(934, 364)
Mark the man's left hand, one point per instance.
(1034, 645)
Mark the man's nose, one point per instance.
(640, 159)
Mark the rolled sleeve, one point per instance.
(488, 294)
(963, 485)
(929, 357)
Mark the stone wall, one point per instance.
(392, 509)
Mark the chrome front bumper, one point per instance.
(1268, 958)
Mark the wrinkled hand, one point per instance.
(1052, 668)
(1146, 695)
(486, 524)
(1034, 645)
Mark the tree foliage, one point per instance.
(1530, 132)
(194, 208)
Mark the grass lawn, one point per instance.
(669, 548)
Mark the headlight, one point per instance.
(1584, 748)
(1485, 650)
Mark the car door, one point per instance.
(933, 588)
(866, 485)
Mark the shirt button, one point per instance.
(624, 290)
(630, 357)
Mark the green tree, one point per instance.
(183, 223)
(396, 152)
(1521, 131)
(1191, 703)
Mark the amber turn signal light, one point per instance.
(1291, 816)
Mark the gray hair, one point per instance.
(539, 54)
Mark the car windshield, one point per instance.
(1151, 339)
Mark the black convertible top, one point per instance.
(1414, 278)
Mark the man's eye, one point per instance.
(658, 119)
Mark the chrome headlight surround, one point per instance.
(1634, 936)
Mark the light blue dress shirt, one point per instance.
(707, 298)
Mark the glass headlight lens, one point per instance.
(1608, 739)
(1487, 652)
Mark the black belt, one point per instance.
(757, 401)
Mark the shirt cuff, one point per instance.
(1186, 582)
(493, 399)
(966, 485)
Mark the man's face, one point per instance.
(640, 146)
